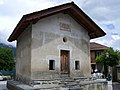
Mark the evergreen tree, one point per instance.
(6, 59)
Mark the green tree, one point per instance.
(109, 57)
(6, 59)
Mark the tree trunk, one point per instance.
(114, 74)
(105, 70)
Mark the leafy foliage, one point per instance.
(111, 60)
(6, 59)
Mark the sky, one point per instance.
(105, 13)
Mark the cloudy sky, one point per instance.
(106, 13)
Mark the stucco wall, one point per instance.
(23, 58)
(47, 41)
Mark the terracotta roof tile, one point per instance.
(72, 9)
(96, 46)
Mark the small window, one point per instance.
(97, 53)
(77, 65)
(64, 39)
(51, 64)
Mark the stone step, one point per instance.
(69, 80)
(80, 78)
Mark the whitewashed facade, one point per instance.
(54, 43)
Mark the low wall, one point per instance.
(61, 85)
(95, 85)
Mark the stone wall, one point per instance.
(43, 41)
(23, 58)
(58, 85)
(47, 42)
(94, 86)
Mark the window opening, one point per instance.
(51, 64)
(77, 65)
(64, 39)
(97, 53)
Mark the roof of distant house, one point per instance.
(96, 46)
(71, 9)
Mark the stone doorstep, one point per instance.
(46, 83)
(81, 78)
(46, 86)
(67, 82)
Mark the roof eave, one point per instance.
(94, 30)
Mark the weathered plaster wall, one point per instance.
(47, 41)
(23, 58)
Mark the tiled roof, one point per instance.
(71, 9)
(96, 46)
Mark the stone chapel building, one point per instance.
(54, 42)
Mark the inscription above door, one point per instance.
(65, 27)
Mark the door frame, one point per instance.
(68, 61)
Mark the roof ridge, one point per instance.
(72, 9)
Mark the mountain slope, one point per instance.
(9, 46)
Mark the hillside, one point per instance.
(9, 46)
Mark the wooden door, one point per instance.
(64, 62)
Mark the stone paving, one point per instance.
(116, 86)
(110, 85)
(3, 85)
